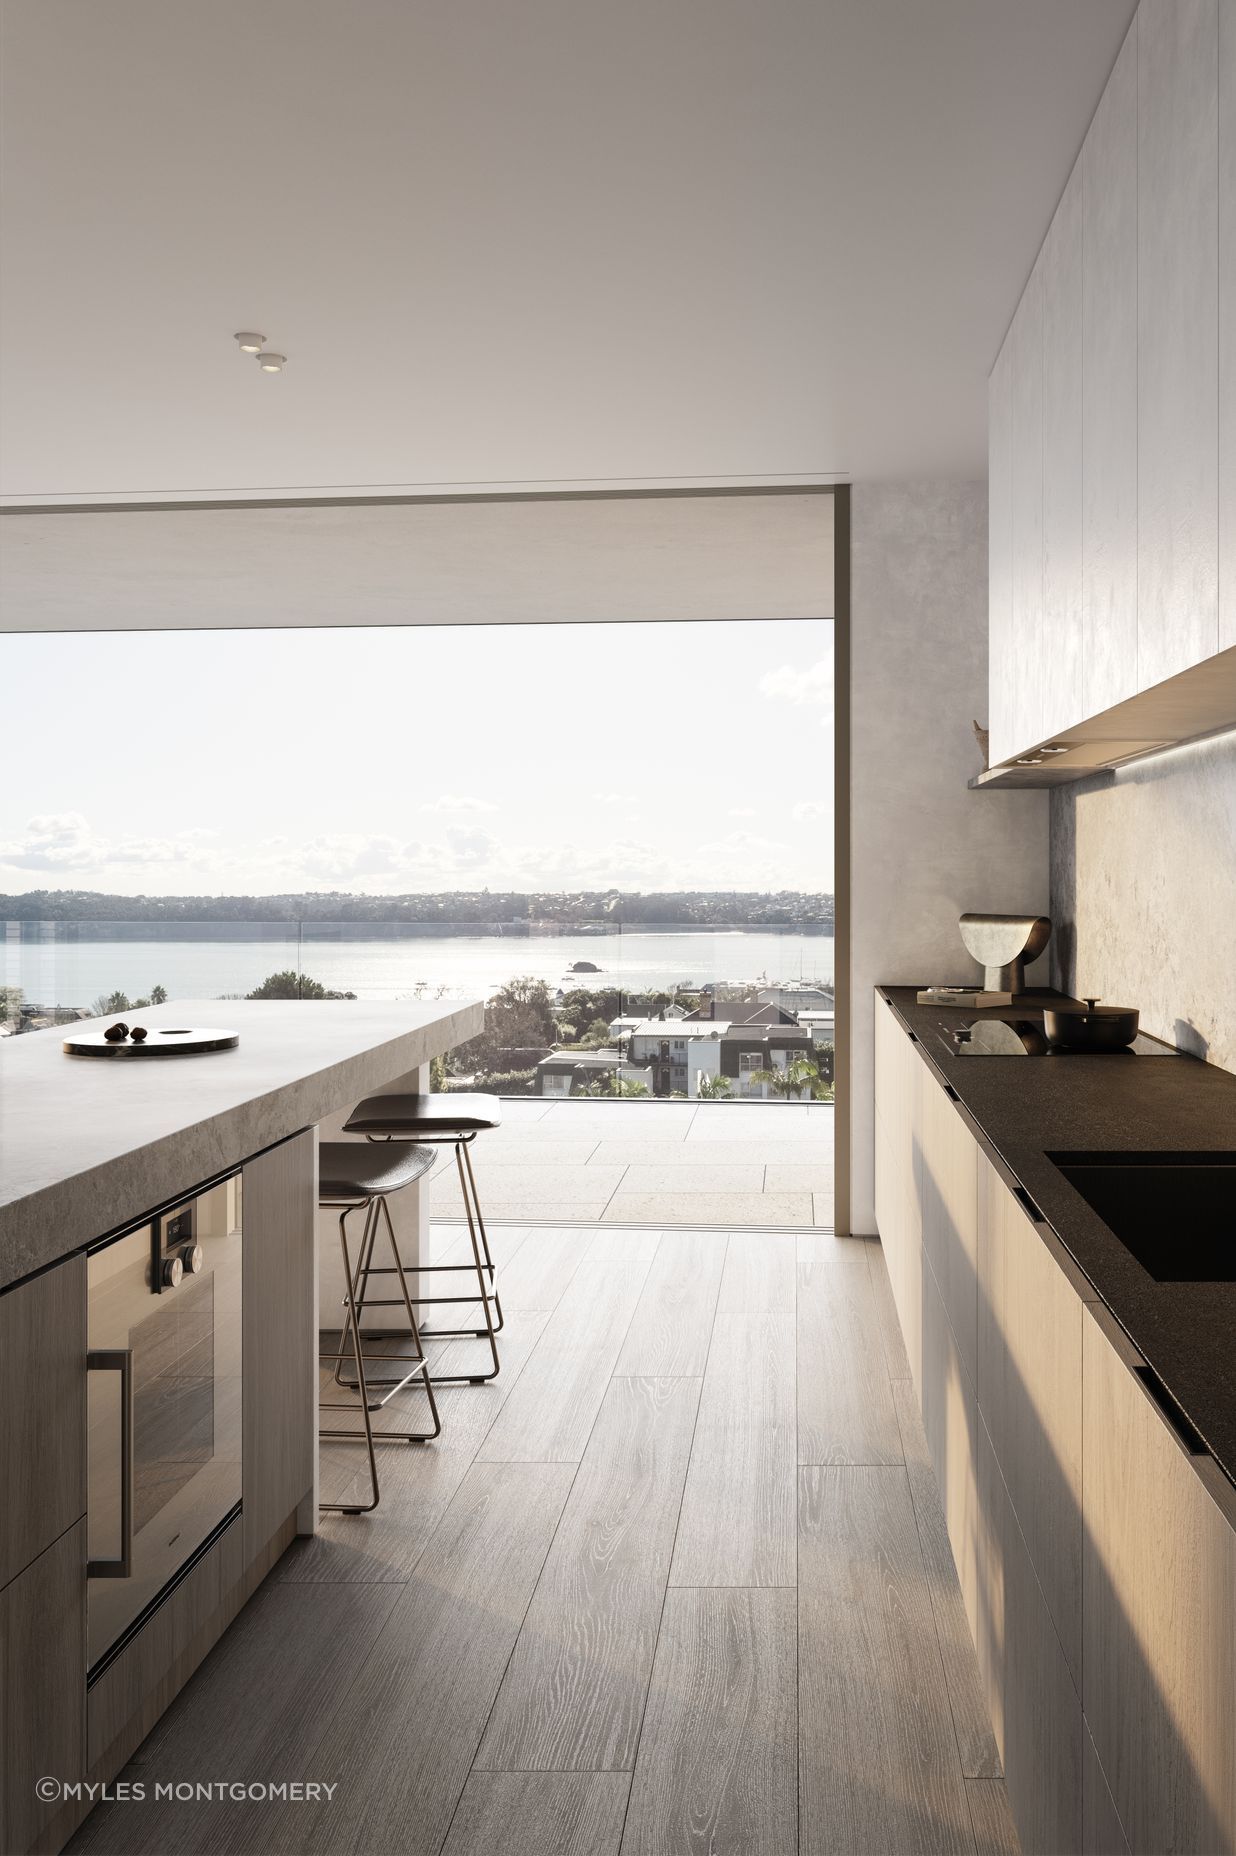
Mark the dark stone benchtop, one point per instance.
(1024, 1108)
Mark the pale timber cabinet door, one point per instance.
(1030, 1394)
(1109, 391)
(1001, 714)
(1159, 1609)
(1177, 335)
(1227, 326)
(1025, 655)
(1062, 463)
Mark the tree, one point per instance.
(520, 1016)
(613, 1085)
(158, 995)
(292, 985)
(800, 1075)
(110, 1002)
(713, 1088)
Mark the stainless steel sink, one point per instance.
(1176, 1213)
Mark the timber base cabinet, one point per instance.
(92, 1446)
(1094, 1537)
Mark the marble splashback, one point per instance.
(1143, 893)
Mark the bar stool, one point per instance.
(445, 1121)
(353, 1176)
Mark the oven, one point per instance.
(163, 1405)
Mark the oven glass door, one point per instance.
(164, 1401)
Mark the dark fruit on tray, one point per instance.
(116, 1034)
(138, 1034)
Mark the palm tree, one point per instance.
(712, 1088)
(799, 1075)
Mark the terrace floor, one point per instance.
(584, 1161)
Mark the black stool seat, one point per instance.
(349, 1172)
(433, 1117)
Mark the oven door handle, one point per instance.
(118, 1360)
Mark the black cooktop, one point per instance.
(1021, 1034)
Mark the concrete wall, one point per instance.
(1143, 891)
(923, 848)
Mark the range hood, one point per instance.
(1200, 701)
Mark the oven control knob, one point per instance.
(193, 1257)
(173, 1270)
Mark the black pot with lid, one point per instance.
(1088, 1025)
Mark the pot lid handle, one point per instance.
(1090, 1004)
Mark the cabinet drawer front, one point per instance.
(42, 1691)
(43, 1399)
(1030, 1395)
(1159, 1597)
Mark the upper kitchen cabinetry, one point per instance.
(1112, 424)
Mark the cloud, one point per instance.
(335, 858)
(808, 808)
(64, 841)
(806, 688)
(470, 845)
(742, 811)
(458, 802)
(614, 799)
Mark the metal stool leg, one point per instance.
(476, 1200)
(416, 1363)
(354, 1323)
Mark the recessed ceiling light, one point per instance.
(271, 363)
(249, 341)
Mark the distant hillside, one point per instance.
(674, 908)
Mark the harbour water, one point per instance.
(75, 972)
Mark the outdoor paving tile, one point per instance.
(798, 1178)
(565, 1182)
(823, 1209)
(542, 1130)
(720, 1208)
(685, 1153)
(552, 1151)
(715, 1178)
(544, 1211)
(620, 1117)
(770, 1124)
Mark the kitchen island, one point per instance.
(158, 1357)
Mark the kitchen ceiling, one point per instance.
(564, 243)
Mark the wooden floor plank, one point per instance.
(540, 1814)
(404, 1738)
(895, 1355)
(672, 1325)
(845, 1396)
(542, 1268)
(417, 1483)
(737, 1525)
(994, 1831)
(976, 1743)
(878, 1764)
(716, 1767)
(551, 1411)
(574, 1691)
(759, 1274)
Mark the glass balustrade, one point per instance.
(597, 1007)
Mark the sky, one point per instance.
(384, 760)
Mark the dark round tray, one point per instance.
(172, 1041)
